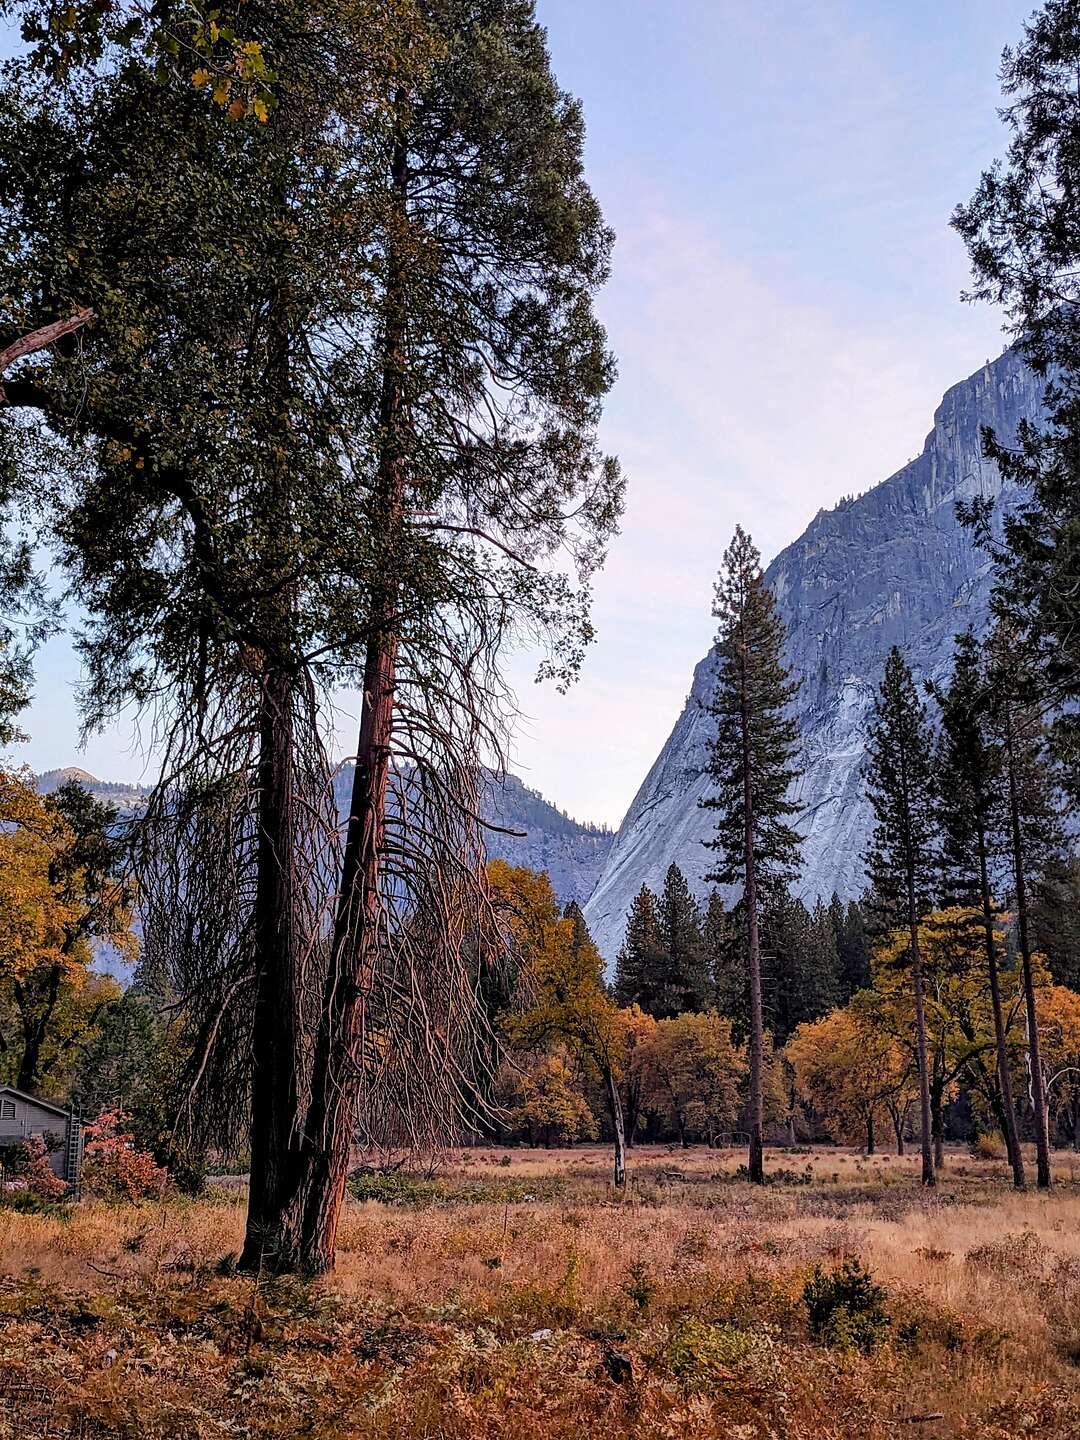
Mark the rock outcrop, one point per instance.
(891, 567)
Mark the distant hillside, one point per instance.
(120, 793)
(573, 854)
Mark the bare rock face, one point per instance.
(545, 838)
(892, 567)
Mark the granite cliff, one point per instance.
(890, 567)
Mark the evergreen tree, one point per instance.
(1022, 230)
(725, 951)
(971, 809)
(1055, 920)
(751, 767)
(852, 946)
(901, 862)
(334, 421)
(823, 992)
(1032, 836)
(641, 967)
(687, 979)
(799, 964)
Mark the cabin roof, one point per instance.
(33, 1100)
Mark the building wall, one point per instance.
(22, 1116)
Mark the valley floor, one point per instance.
(514, 1297)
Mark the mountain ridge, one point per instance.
(890, 566)
(533, 832)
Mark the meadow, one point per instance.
(511, 1294)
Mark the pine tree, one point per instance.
(334, 422)
(1022, 231)
(901, 861)
(751, 767)
(641, 967)
(1055, 920)
(687, 980)
(852, 947)
(971, 797)
(1032, 832)
(823, 993)
(799, 964)
(725, 953)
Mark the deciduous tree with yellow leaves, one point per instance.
(563, 997)
(850, 1071)
(62, 893)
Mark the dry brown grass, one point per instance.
(424, 1330)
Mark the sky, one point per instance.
(785, 310)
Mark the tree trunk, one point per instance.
(34, 1032)
(870, 1133)
(928, 1177)
(756, 1158)
(615, 1107)
(898, 1128)
(308, 1212)
(273, 1220)
(1038, 1088)
(1012, 1141)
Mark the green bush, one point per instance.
(846, 1308)
(722, 1354)
(639, 1285)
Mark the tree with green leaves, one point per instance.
(852, 946)
(641, 965)
(902, 859)
(333, 422)
(1022, 231)
(971, 808)
(800, 963)
(1032, 834)
(751, 766)
(722, 935)
(687, 980)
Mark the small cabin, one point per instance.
(23, 1115)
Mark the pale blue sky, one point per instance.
(785, 309)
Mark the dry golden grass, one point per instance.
(693, 1283)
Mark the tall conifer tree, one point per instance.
(901, 861)
(1022, 231)
(725, 951)
(642, 961)
(1032, 837)
(852, 946)
(752, 766)
(333, 423)
(687, 980)
(971, 795)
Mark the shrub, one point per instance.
(988, 1147)
(114, 1168)
(639, 1285)
(27, 1164)
(718, 1354)
(846, 1308)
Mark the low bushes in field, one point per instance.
(846, 1307)
(114, 1168)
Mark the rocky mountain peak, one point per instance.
(891, 566)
